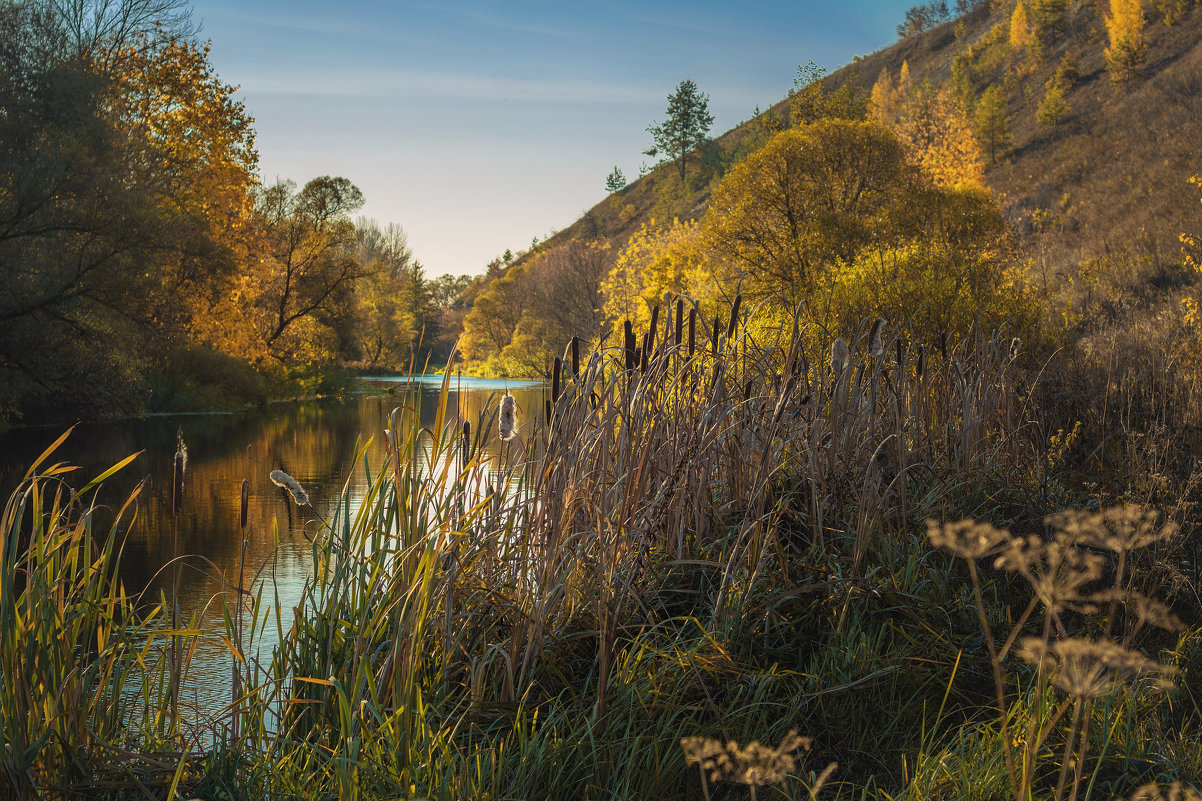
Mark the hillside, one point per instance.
(1109, 179)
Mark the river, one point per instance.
(315, 441)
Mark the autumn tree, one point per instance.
(936, 132)
(308, 257)
(810, 197)
(384, 325)
(686, 128)
(1125, 29)
(528, 315)
(1022, 35)
(992, 123)
(122, 160)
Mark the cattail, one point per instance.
(576, 357)
(839, 356)
(548, 407)
(507, 422)
(282, 479)
(943, 346)
(1016, 345)
(692, 331)
(922, 359)
(177, 477)
(645, 352)
(714, 340)
(651, 331)
(555, 371)
(747, 391)
(734, 316)
(876, 347)
(679, 320)
(899, 350)
(467, 441)
(245, 504)
(628, 342)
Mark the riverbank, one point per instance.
(683, 570)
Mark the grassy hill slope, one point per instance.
(1108, 181)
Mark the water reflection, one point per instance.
(314, 441)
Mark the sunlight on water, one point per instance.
(190, 557)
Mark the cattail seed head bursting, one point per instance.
(282, 479)
(839, 356)
(180, 468)
(507, 422)
(876, 345)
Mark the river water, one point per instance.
(187, 557)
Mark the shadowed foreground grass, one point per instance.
(700, 573)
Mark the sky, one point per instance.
(480, 125)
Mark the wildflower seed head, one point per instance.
(968, 539)
(1122, 529)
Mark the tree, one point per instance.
(124, 168)
(813, 195)
(615, 180)
(1048, 18)
(937, 134)
(308, 252)
(686, 128)
(1021, 35)
(920, 18)
(992, 124)
(1127, 50)
(1054, 107)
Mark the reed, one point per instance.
(720, 547)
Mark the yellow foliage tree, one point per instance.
(1127, 50)
(936, 131)
(884, 100)
(811, 196)
(656, 263)
(1021, 34)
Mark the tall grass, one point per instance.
(714, 541)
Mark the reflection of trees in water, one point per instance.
(315, 442)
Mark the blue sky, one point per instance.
(479, 125)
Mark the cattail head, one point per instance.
(1016, 345)
(922, 359)
(180, 468)
(555, 372)
(467, 441)
(692, 331)
(677, 331)
(576, 357)
(651, 329)
(507, 421)
(245, 504)
(876, 345)
(734, 316)
(282, 479)
(839, 356)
